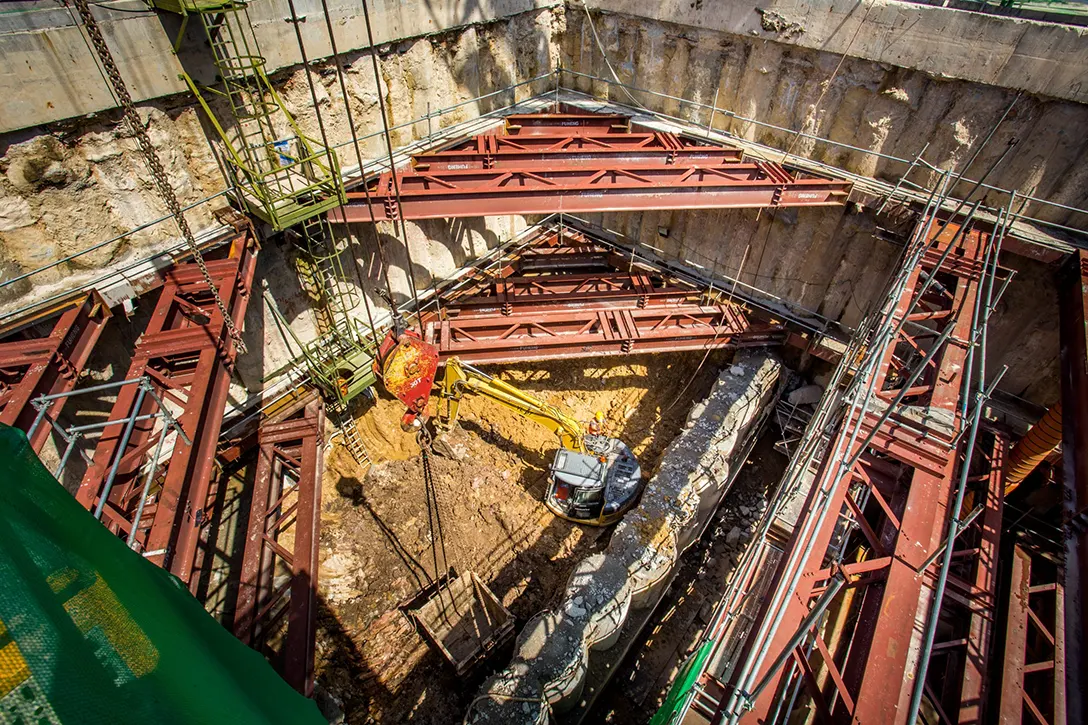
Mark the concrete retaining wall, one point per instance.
(605, 590)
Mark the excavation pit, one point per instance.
(375, 546)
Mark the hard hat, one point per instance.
(598, 416)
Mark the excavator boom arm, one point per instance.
(460, 377)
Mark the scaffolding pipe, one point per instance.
(120, 451)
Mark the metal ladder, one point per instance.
(353, 441)
(325, 277)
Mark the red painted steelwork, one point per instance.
(902, 485)
(577, 190)
(188, 356)
(958, 677)
(587, 331)
(1073, 316)
(277, 617)
(531, 124)
(48, 365)
(606, 151)
(1033, 681)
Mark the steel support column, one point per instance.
(48, 366)
(1073, 297)
(189, 357)
(1033, 681)
(899, 490)
(273, 616)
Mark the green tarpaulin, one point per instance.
(90, 632)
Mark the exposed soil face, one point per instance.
(375, 540)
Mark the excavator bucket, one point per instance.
(407, 366)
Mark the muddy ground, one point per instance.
(376, 551)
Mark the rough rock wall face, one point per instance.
(553, 650)
(68, 186)
(864, 104)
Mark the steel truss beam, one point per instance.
(578, 162)
(446, 194)
(595, 331)
(565, 296)
(898, 490)
(188, 357)
(273, 616)
(629, 150)
(48, 366)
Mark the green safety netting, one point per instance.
(90, 632)
(673, 708)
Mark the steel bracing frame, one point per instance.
(958, 679)
(565, 296)
(275, 609)
(581, 162)
(187, 357)
(48, 366)
(1033, 677)
(874, 525)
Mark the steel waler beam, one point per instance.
(188, 356)
(286, 503)
(48, 366)
(1073, 316)
(445, 194)
(899, 490)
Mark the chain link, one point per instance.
(158, 173)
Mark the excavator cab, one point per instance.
(596, 487)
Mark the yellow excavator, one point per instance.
(593, 479)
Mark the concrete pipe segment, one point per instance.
(547, 673)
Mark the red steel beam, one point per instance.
(48, 366)
(1033, 678)
(542, 292)
(605, 151)
(587, 331)
(530, 124)
(188, 355)
(446, 194)
(908, 470)
(278, 617)
(1073, 321)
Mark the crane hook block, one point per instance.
(408, 367)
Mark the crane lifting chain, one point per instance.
(158, 173)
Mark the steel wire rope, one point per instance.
(119, 90)
(362, 175)
(392, 167)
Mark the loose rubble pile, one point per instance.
(552, 652)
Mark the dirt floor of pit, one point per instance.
(375, 547)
